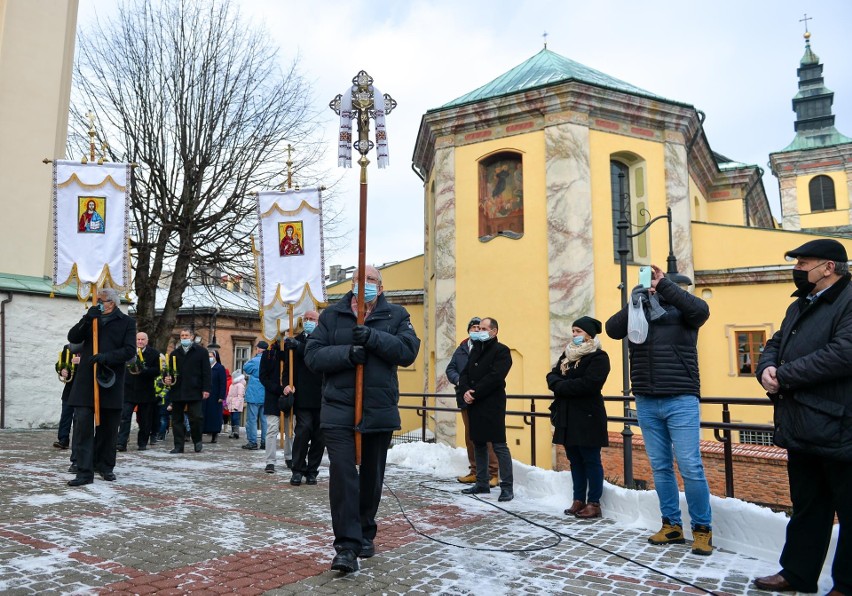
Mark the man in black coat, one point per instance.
(664, 380)
(384, 342)
(139, 393)
(187, 388)
(95, 446)
(805, 370)
(308, 442)
(482, 386)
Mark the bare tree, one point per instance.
(197, 97)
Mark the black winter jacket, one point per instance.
(667, 363)
(485, 373)
(458, 362)
(308, 395)
(116, 339)
(578, 411)
(193, 374)
(812, 352)
(139, 389)
(392, 343)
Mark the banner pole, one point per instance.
(95, 366)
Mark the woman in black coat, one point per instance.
(211, 408)
(578, 413)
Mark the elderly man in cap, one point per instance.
(95, 446)
(805, 370)
(454, 370)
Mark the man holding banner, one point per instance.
(116, 344)
(384, 342)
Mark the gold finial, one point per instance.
(91, 116)
(289, 165)
(805, 21)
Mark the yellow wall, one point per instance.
(699, 202)
(726, 212)
(821, 219)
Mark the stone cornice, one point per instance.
(739, 276)
(836, 157)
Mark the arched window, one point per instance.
(821, 191)
(501, 196)
(619, 175)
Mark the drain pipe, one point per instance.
(3, 359)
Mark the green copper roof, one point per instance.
(817, 138)
(545, 68)
(27, 284)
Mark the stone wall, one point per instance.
(760, 473)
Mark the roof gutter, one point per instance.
(3, 359)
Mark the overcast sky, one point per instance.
(735, 60)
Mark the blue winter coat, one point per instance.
(392, 343)
(255, 393)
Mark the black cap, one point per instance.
(473, 321)
(106, 376)
(824, 248)
(589, 325)
(262, 345)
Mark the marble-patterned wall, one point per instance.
(849, 187)
(570, 256)
(445, 286)
(789, 205)
(677, 197)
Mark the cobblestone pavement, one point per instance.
(214, 522)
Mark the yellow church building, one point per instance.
(525, 179)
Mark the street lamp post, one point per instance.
(622, 226)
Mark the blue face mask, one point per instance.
(578, 340)
(310, 326)
(186, 342)
(370, 291)
(479, 336)
(101, 306)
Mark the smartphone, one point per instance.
(645, 277)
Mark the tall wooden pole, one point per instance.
(94, 290)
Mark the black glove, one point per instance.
(98, 359)
(289, 343)
(360, 335)
(93, 313)
(357, 355)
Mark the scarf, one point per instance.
(574, 353)
(344, 143)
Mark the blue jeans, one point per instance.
(252, 412)
(164, 416)
(586, 472)
(670, 427)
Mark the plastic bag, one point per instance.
(637, 323)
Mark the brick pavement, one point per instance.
(215, 523)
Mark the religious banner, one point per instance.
(90, 225)
(290, 261)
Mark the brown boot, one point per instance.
(575, 507)
(469, 479)
(590, 511)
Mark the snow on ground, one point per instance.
(738, 526)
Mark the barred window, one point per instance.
(756, 437)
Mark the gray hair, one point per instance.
(841, 267)
(111, 294)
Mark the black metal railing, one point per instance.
(721, 430)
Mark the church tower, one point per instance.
(814, 171)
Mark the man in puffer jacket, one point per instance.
(664, 380)
(384, 342)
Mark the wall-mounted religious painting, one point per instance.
(501, 196)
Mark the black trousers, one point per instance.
(65, 420)
(308, 442)
(819, 487)
(94, 447)
(354, 496)
(143, 419)
(196, 419)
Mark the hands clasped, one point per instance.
(769, 380)
(468, 396)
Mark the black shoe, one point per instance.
(60, 444)
(345, 561)
(79, 481)
(121, 447)
(152, 440)
(263, 444)
(176, 450)
(161, 437)
(72, 469)
(108, 476)
(310, 479)
(506, 494)
(270, 469)
(368, 549)
(198, 447)
(476, 490)
(250, 446)
(288, 463)
(296, 479)
(215, 438)
(142, 448)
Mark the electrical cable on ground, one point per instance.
(559, 536)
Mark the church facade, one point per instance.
(526, 179)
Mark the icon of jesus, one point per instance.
(91, 220)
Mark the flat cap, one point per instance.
(262, 345)
(823, 248)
